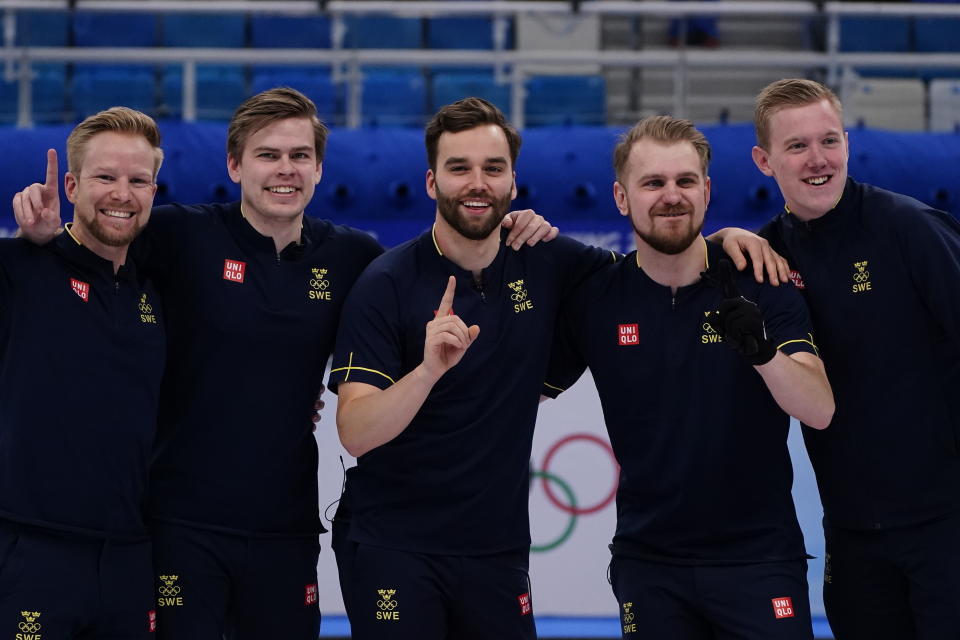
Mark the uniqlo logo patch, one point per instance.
(525, 606)
(628, 335)
(783, 608)
(151, 621)
(797, 280)
(233, 270)
(310, 594)
(80, 288)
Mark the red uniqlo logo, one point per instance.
(151, 621)
(782, 607)
(233, 270)
(627, 335)
(797, 280)
(525, 606)
(310, 594)
(80, 288)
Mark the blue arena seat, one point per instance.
(220, 90)
(97, 87)
(106, 29)
(888, 35)
(450, 86)
(382, 32)
(290, 32)
(43, 28)
(315, 84)
(565, 100)
(393, 99)
(937, 35)
(462, 33)
(47, 94)
(203, 30)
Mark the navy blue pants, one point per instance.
(211, 585)
(399, 595)
(62, 586)
(743, 602)
(898, 584)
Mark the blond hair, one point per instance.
(662, 129)
(789, 92)
(116, 120)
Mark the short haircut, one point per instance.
(664, 130)
(116, 120)
(267, 107)
(463, 115)
(789, 92)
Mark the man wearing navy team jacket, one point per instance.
(82, 349)
(253, 292)
(881, 274)
(698, 371)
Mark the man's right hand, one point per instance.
(447, 337)
(37, 208)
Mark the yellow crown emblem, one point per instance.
(30, 616)
(168, 580)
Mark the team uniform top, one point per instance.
(82, 354)
(705, 471)
(881, 274)
(250, 334)
(455, 481)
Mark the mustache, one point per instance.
(670, 210)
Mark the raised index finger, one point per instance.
(446, 302)
(52, 169)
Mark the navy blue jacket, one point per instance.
(82, 354)
(881, 275)
(250, 333)
(455, 481)
(705, 471)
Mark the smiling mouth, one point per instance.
(115, 213)
(474, 205)
(283, 190)
(817, 181)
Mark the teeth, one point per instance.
(474, 203)
(818, 180)
(116, 214)
(281, 189)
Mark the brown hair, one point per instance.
(467, 114)
(664, 129)
(116, 120)
(789, 92)
(267, 107)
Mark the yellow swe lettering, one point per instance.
(388, 615)
(320, 295)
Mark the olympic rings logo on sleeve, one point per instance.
(566, 501)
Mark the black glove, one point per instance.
(738, 320)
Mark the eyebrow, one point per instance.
(461, 160)
(831, 132)
(305, 147)
(660, 176)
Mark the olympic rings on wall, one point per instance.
(570, 505)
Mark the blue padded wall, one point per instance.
(374, 179)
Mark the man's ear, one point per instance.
(762, 159)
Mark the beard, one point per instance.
(110, 237)
(472, 229)
(670, 242)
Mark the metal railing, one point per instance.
(510, 66)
